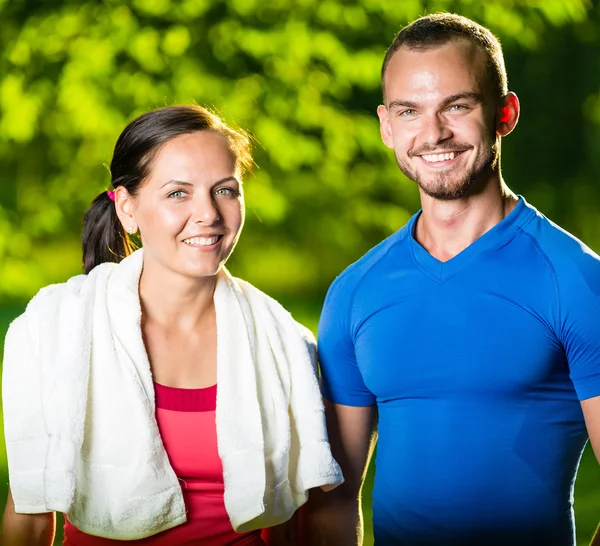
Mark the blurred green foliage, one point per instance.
(303, 77)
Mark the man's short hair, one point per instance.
(435, 30)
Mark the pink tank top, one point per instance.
(186, 420)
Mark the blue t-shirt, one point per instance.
(477, 366)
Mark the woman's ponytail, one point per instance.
(103, 238)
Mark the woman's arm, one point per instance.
(26, 529)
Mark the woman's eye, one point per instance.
(177, 194)
(226, 191)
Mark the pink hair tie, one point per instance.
(111, 195)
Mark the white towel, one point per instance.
(79, 409)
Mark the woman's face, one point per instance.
(190, 210)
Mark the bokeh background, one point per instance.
(303, 77)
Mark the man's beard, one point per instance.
(446, 186)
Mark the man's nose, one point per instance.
(435, 129)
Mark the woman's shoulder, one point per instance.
(45, 301)
(52, 303)
(257, 296)
(52, 297)
(54, 293)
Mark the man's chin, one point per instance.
(446, 191)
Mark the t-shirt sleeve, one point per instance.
(341, 379)
(580, 324)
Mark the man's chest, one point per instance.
(428, 342)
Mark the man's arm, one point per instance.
(335, 518)
(284, 534)
(26, 529)
(591, 413)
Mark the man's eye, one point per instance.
(457, 107)
(408, 112)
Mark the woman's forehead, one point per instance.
(193, 154)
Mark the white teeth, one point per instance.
(201, 241)
(438, 157)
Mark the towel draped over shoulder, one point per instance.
(79, 408)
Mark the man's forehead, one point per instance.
(454, 62)
(459, 50)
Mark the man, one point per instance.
(470, 339)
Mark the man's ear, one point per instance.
(125, 207)
(507, 115)
(384, 126)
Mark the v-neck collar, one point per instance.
(494, 238)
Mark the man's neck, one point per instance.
(446, 228)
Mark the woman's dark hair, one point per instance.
(103, 238)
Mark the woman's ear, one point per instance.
(125, 207)
(507, 115)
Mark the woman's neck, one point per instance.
(174, 301)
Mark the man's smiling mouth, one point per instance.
(440, 157)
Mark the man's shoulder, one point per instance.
(567, 256)
(355, 272)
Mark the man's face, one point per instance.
(439, 118)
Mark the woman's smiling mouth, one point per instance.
(203, 241)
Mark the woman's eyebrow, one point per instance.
(182, 183)
(232, 178)
(178, 182)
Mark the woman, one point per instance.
(156, 398)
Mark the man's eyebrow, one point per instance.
(401, 103)
(182, 183)
(467, 95)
